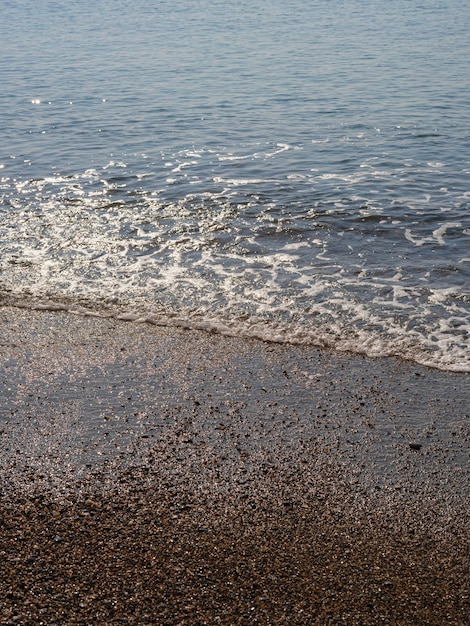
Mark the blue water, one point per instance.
(293, 171)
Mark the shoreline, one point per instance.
(182, 477)
(357, 344)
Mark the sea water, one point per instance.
(294, 171)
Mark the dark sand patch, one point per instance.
(164, 476)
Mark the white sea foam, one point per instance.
(280, 254)
(417, 241)
(240, 181)
(442, 351)
(441, 295)
(261, 300)
(231, 157)
(183, 165)
(442, 230)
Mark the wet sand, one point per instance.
(164, 476)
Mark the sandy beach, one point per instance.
(156, 475)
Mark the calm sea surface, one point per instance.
(297, 171)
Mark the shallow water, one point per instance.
(81, 396)
(297, 173)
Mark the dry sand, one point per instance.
(164, 476)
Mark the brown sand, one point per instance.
(163, 476)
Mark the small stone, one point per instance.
(415, 446)
(92, 504)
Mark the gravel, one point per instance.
(161, 476)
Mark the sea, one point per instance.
(293, 171)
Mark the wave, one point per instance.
(268, 248)
(374, 339)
